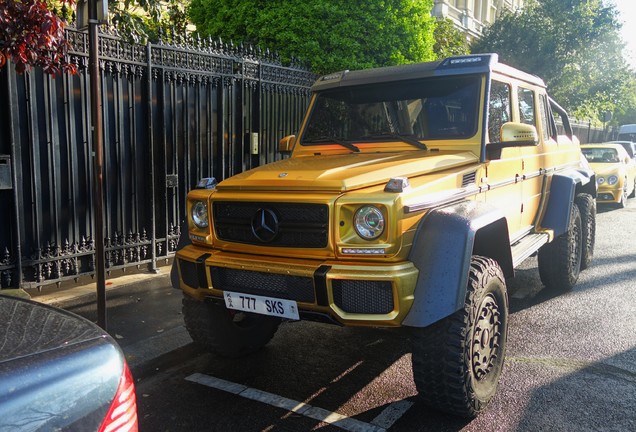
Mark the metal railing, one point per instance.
(173, 112)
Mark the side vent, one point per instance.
(469, 179)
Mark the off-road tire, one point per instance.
(633, 194)
(560, 260)
(587, 209)
(228, 333)
(457, 361)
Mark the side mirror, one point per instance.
(519, 134)
(286, 144)
(513, 135)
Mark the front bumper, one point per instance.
(352, 293)
(610, 194)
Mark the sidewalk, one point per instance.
(143, 313)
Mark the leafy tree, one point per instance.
(328, 34)
(32, 31)
(449, 40)
(173, 18)
(574, 45)
(32, 35)
(131, 18)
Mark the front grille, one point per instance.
(295, 224)
(605, 197)
(298, 288)
(362, 296)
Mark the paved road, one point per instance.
(570, 365)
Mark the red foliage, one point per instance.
(32, 35)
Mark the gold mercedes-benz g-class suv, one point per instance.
(411, 194)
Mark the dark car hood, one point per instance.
(28, 328)
(58, 371)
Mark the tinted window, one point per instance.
(545, 116)
(498, 109)
(427, 109)
(601, 155)
(627, 137)
(526, 106)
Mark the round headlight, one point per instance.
(369, 222)
(612, 180)
(200, 214)
(600, 180)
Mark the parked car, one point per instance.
(629, 146)
(411, 194)
(59, 371)
(627, 132)
(615, 172)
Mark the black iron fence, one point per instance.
(173, 112)
(586, 133)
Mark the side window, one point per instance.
(545, 125)
(526, 106)
(498, 109)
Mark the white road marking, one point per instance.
(335, 419)
(392, 413)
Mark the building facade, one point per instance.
(471, 16)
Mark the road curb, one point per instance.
(63, 298)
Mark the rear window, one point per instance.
(627, 137)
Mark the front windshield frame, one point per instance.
(424, 109)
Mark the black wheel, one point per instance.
(457, 361)
(560, 260)
(587, 209)
(633, 194)
(229, 333)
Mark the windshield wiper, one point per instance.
(407, 138)
(326, 139)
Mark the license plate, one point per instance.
(261, 305)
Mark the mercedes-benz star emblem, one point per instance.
(265, 225)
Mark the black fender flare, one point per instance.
(184, 240)
(564, 186)
(444, 243)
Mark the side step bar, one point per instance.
(527, 246)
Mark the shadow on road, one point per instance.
(595, 396)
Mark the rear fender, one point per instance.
(445, 240)
(563, 187)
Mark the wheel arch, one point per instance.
(564, 186)
(184, 240)
(444, 243)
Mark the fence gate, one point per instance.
(173, 112)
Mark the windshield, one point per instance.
(424, 110)
(600, 155)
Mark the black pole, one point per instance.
(98, 162)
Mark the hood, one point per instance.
(339, 173)
(605, 169)
(31, 328)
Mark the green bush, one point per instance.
(328, 35)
